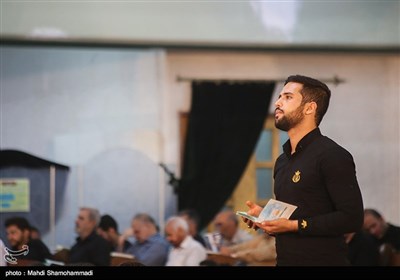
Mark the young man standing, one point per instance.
(315, 174)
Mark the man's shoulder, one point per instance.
(394, 229)
(36, 243)
(282, 157)
(328, 145)
(157, 238)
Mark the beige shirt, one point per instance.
(260, 248)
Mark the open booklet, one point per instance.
(273, 210)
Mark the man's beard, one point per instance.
(290, 120)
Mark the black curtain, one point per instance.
(225, 123)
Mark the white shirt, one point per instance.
(189, 253)
(2, 253)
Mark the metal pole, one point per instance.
(52, 215)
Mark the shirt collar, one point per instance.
(186, 242)
(303, 143)
(89, 237)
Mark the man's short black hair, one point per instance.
(106, 222)
(19, 222)
(373, 212)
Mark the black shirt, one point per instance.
(392, 236)
(93, 249)
(37, 251)
(320, 179)
(363, 250)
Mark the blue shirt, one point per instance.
(152, 252)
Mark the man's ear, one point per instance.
(311, 107)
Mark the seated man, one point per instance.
(186, 251)
(89, 246)
(227, 224)
(18, 234)
(35, 233)
(362, 250)
(108, 229)
(150, 248)
(382, 231)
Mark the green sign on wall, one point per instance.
(14, 195)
